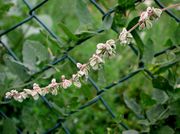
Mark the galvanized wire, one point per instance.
(66, 56)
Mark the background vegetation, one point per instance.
(146, 105)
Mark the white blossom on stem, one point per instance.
(76, 81)
(65, 83)
(52, 87)
(106, 49)
(125, 37)
(83, 70)
(95, 61)
(45, 91)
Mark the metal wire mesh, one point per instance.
(66, 56)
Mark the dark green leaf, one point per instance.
(165, 67)
(4, 7)
(126, 4)
(168, 43)
(119, 17)
(9, 127)
(165, 130)
(162, 83)
(146, 100)
(175, 107)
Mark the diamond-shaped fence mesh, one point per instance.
(66, 56)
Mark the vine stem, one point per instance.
(134, 27)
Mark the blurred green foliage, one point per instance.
(146, 105)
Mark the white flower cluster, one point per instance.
(103, 50)
(36, 91)
(125, 37)
(148, 16)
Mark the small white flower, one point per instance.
(35, 96)
(28, 91)
(100, 48)
(157, 12)
(106, 49)
(33, 92)
(95, 61)
(144, 16)
(45, 91)
(83, 70)
(8, 95)
(54, 91)
(36, 88)
(65, 83)
(11, 94)
(111, 42)
(76, 81)
(23, 95)
(18, 97)
(125, 37)
(53, 84)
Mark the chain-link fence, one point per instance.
(60, 120)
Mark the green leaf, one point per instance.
(165, 67)
(130, 132)
(74, 102)
(84, 35)
(133, 105)
(148, 51)
(4, 7)
(146, 100)
(162, 83)
(154, 113)
(165, 130)
(119, 19)
(107, 22)
(126, 4)
(175, 107)
(68, 32)
(34, 53)
(160, 96)
(82, 12)
(176, 94)
(17, 68)
(9, 127)
(136, 37)
(168, 43)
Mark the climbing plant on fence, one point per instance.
(60, 61)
